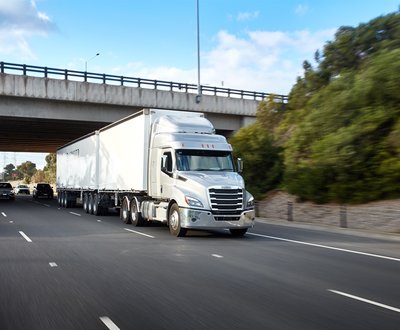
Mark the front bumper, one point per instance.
(199, 219)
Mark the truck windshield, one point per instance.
(204, 160)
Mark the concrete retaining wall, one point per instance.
(381, 216)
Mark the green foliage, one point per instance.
(345, 149)
(8, 170)
(339, 137)
(39, 176)
(11, 173)
(262, 160)
(48, 174)
(352, 46)
(50, 168)
(27, 169)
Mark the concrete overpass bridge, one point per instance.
(42, 108)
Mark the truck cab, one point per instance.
(193, 173)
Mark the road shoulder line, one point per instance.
(365, 300)
(326, 247)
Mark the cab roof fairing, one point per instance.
(183, 124)
(191, 141)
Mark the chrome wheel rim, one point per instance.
(174, 220)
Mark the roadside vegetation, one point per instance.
(29, 174)
(338, 138)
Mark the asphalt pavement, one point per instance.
(65, 269)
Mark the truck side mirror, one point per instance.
(239, 165)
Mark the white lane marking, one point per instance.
(4, 215)
(25, 236)
(77, 214)
(109, 324)
(217, 256)
(47, 205)
(98, 220)
(138, 232)
(11, 221)
(52, 264)
(327, 247)
(366, 301)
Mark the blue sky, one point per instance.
(246, 44)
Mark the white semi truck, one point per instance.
(157, 165)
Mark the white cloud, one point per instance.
(303, 41)
(265, 61)
(20, 19)
(247, 16)
(301, 10)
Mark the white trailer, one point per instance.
(157, 165)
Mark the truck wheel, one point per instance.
(174, 222)
(90, 204)
(59, 199)
(125, 214)
(96, 207)
(136, 217)
(86, 203)
(65, 200)
(238, 232)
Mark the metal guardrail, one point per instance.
(103, 78)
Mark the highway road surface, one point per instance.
(64, 269)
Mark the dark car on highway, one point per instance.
(43, 190)
(6, 191)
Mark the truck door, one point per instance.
(166, 177)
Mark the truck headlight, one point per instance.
(193, 202)
(250, 202)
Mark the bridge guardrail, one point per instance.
(46, 72)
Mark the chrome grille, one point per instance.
(226, 204)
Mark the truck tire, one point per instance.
(59, 199)
(90, 204)
(86, 202)
(136, 217)
(238, 232)
(174, 222)
(96, 205)
(64, 200)
(125, 214)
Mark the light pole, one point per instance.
(198, 96)
(90, 60)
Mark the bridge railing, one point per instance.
(110, 79)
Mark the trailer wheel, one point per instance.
(64, 200)
(238, 232)
(86, 203)
(125, 214)
(174, 222)
(136, 217)
(96, 205)
(59, 199)
(90, 204)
